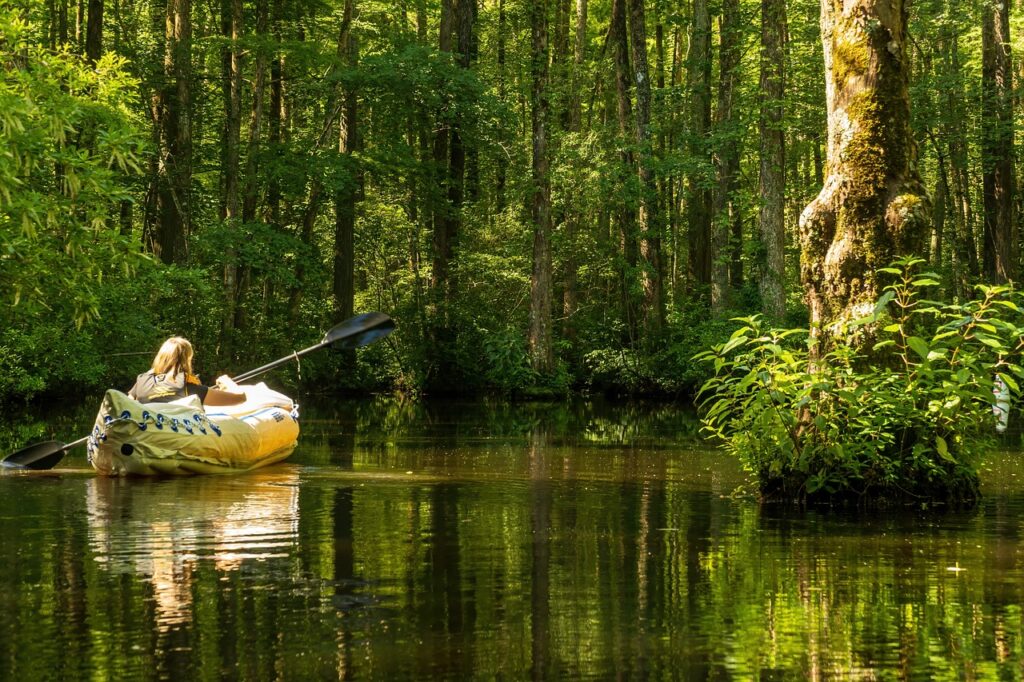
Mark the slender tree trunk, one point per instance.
(772, 182)
(540, 340)
(250, 188)
(727, 158)
(442, 247)
(94, 31)
(500, 180)
(939, 211)
(175, 167)
(873, 206)
(345, 198)
(619, 38)
(698, 73)
(570, 294)
(274, 117)
(1001, 250)
(231, 22)
(62, 22)
(648, 217)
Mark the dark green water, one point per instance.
(494, 541)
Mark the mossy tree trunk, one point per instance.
(873, 206)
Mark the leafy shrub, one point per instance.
(901, 408)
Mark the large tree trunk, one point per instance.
(540, 340)
(698, 74)
(772, 182)
(873, 206)
(175, 162)
(1000, 248)
(727, 161)
(648, 217)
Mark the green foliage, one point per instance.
(57, 241)
(900, 409)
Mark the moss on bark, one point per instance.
(873, 206)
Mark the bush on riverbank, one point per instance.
(906, 418)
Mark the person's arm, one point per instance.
(224, 392)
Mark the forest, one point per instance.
(546, 195)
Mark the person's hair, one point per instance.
(174, 357)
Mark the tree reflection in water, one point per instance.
(413, 541)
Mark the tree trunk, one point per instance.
(727, 161)
(619, 38)
(442, 247)
(345, 198)
(772, 182)
(570, 294)
(175, 163)
(873, 206)
(541, 346)
(698, 74)
(94, 32)
(1000, 247)
(648, 217)
(231, 24)
(500, 171)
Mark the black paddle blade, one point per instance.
(360, 330)
(39, 456)
(357, 326)
(365, 338)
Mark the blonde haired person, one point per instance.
(170, 377)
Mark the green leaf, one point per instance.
(919, 346)
(884, 301)
(1009, 381)
(943, 449)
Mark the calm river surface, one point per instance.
(487, 540)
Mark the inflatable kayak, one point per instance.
(181, 438)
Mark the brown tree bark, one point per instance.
(231, 83)
(772, 178)
(648, 217)
(727, 157)
(618, 36)
(346, 198)
(570, 294)
(175, 160)
(94, 31)
(541, 346)
(698, 75)
(873, 206)
(1001, 252)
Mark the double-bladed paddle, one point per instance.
(354, 332)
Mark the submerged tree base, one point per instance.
(958, 490)
(904, 420)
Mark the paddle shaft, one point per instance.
(277, 363)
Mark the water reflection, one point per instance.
(159, 529)
(413, 542)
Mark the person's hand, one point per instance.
(225, 383)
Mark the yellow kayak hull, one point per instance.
(181, 439)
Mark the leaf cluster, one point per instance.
(901, 408)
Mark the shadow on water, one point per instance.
(454, 541)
